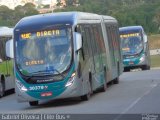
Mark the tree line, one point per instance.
(10, 17)
(127, 12)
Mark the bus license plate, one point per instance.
(46, 94)
(131, 63)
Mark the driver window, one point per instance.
(31, 50)
(50, 50)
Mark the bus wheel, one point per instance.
(126, 70)
(2, 89)
(148, 67)
(145, 67)
(88, 95)
(116, 80)
(33, 103)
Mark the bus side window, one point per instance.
(4, 60)
(3, 56)
(118, 42)
(87, 40)
(110, 41)
(99, 37)
(81, 30)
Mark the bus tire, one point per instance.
(87, 96)
(116, 80)
(148, 67)
(33, 103)
(2, 87)
(126, 70)
(145, 67)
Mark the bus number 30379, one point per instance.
(33, 88)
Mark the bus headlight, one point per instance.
(71, 80)
(142, 59)
(21, 87)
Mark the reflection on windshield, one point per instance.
(47, 51)
(131, 45)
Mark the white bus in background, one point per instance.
(6, 64)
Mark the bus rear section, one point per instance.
(135, 48)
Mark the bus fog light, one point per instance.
(21, 87)
(71, 80)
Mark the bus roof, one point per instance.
(5, 31)
(50, 19)
(131, 29)
(109, 18)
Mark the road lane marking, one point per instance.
(138, 99)
(135, 102)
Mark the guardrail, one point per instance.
(155, 52)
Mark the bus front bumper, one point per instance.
(73, 90)
(134, 62)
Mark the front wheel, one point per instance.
(148, 67)
(126, 70)
(116, 80)
(2, 89)
(87, 96)
(33, 103)
(145, 67)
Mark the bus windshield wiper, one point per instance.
(59, 73)
(37, 73)
(41, 72)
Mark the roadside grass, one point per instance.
(155, 61)
(154, 43)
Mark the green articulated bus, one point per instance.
(135, 48)
(6, 64)
(64, 55)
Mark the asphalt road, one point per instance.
(137, 93)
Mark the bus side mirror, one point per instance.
(145, 38)
(9, 49)
(78, 41)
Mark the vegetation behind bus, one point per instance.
(155, 61)
(128, 12)
(154, 43)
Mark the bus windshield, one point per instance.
(131, 43)
(47, 51)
